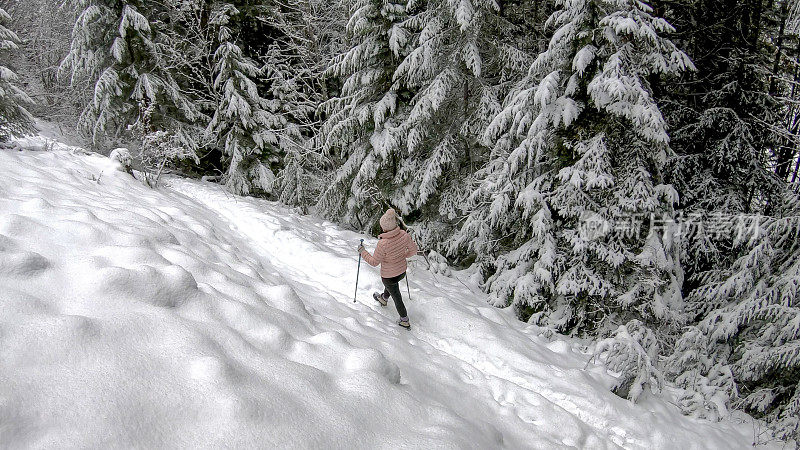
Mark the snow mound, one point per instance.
(184, 317)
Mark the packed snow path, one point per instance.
(186, 317)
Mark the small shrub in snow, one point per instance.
(707, 385)
(632, 353)
(788, 423)
(123, 157)
(439, 264)
(159, 148)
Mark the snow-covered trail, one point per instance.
(459, 344)
(320, 262)
(188, 318)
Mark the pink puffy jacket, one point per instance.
(391, 252)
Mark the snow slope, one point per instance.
(185, 317)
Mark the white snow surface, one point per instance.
(185, 317)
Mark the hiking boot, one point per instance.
(403, 322)
(379, 298)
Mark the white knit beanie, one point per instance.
(389, 220)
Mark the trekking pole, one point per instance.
(408, 288)
(358, 272)
(421, 252)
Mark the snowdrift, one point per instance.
(185, 317)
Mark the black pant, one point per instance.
(392, 287)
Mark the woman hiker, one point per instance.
(394, 247)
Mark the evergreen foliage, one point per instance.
(420, 87)
(577, 147)
(15, 119)
(735, 139)
(120, 45)
(241, 120)
(357, 117)
(746, 348)
(725, 121)
(633, 353)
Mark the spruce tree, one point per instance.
(750, 326)
(368, 97)
(732, 123)
(572, 216)
(242, 122)
(724, 120)
(121, 45)
(15, 119)
(421, 83)
(266, 90)
(453, 66)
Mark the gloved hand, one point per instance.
(361, 248)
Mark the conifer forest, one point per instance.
(622, 172)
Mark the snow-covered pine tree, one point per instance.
(14, 117)
(454, 66)
(421, 85)
(633, 353)
(268, 62)
(749, 337)
(572, 200)
(242, 124)
(724, 121)
(121, 44)
(367, 98)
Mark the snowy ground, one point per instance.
(185, 317)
